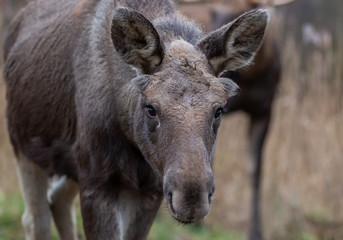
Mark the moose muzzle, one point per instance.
(189, 192)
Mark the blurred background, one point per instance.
(303, 169)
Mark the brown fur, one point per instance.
(127, 106)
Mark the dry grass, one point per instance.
(303, 188)
(303, 180)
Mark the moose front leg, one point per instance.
(61, 194)
(122, 215)
(257, 134)
(137, 213)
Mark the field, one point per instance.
(303, 180)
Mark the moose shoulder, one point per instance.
(121, 101)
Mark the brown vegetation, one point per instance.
(303, 168)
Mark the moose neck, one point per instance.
(128, 100)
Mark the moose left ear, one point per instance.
(136, 40)
(235, 44)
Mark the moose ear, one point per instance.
(235, 44)
(136, 40)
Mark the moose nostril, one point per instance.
(170, 201)
(169, 196)
(210, 197)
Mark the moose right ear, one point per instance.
(136, 40)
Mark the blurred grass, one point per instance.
(11, 209)
(164, 227)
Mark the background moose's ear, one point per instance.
(136, 40)
(235, 44)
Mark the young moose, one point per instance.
(122, 101)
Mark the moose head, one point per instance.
(180, 98)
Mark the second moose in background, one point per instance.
(258, 84)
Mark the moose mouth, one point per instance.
(183, 222)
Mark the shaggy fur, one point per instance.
(123, 105)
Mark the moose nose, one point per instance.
(189, 201)
(189, 207)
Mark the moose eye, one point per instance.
(218, 113)
(151, 111)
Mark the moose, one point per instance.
(119, 101)
(258, 84)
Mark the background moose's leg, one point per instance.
(34, 184)
(257, 134)
(61, 194)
